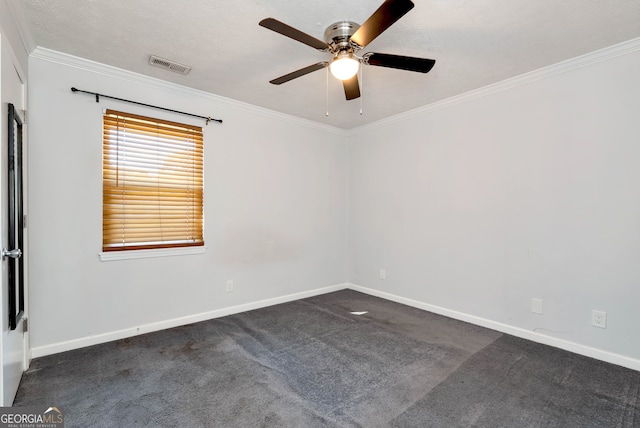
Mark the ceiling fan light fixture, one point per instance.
(344, 66)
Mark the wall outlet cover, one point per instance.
(599, 319)
(536, 306)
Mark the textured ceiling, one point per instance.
(475, 43)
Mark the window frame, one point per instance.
(189, 176)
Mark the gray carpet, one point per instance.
(311, 363)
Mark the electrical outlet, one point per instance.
(536, 306)
(599, 319)
(229, 285)
(383, 274)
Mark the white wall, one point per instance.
(275, 204)
(10, 30)
(476, 207)
(473, 207)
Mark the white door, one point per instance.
(13, 298)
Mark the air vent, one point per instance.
(167, 64)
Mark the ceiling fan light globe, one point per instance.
(344, 67)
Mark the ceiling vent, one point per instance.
(167, 64)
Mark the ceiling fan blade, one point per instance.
(298, 73)
(295, 34)
(351, 88)
(383, 18)
(421, 65)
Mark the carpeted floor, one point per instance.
(311, 363)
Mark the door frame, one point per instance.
(15, 350)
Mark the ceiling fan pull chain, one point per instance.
(361, 89)
(327, 93)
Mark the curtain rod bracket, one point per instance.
(206, 118)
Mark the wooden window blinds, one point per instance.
(152, 183)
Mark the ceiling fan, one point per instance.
(344, 39)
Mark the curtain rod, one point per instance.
(208, 119)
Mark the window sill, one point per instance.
(144, 254)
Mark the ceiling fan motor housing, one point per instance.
(338, 35)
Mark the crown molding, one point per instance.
(174, 89)
(585, 60)
(581, 61)
(17, 12)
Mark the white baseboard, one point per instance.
(69, 345)
(576, 348)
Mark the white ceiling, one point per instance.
(475, 43)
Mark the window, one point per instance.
(152, 183)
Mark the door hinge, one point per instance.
(25, 325)
(24, 221)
